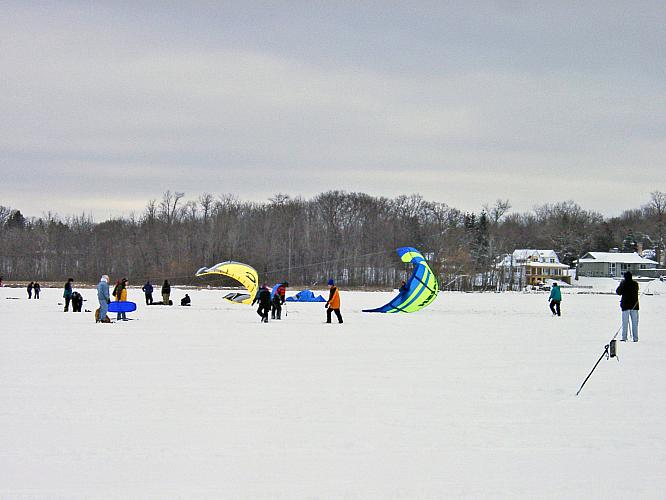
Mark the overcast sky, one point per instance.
(105, 105)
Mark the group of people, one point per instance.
(72, 297)
(33, 288)
(270, 302)
(120, 294)
(629, 304)
(273, 302)
(166, 293)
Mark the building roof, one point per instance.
(523, 253)
(615, 257)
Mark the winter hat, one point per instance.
(331, 282)
(105, 278)
(628, 275)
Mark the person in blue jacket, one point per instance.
(555, 298)
(67, 294)
(104, 298)
(148, 290)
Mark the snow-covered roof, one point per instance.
(543, 255)
(616, 257)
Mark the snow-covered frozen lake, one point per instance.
(472, 397)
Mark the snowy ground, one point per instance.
(472, 397)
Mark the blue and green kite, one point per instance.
(419, 291)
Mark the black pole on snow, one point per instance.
(605, 353)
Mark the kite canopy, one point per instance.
(306, 296)
(244, 274)
(419, 291)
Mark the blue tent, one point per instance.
(306, 296)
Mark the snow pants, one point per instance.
(276, 310)
(330, 310)
(263, 311)
(555, 307)
(633, 315)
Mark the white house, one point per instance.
(532, 267)
(613, 264)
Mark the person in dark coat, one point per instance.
(278, 299)
(31, 285)
(403, 287)
(264, 298)
(37, 289)
(628, 289)
(67, 294)
(166, 291)
(186, 301)
(148, 290)
(77, 302)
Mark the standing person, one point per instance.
(628, 289)
(148, 290)
(37, 289)
(121, 296)
(0, 280)
(333, 302)
(555, 298)
(166, 291)
(264, 298)
(278, 299)
(104, 299)
(67, 294)
(30, 287)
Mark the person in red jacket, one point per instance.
(278, 299)
(333, 302)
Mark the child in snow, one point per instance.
(555, 298)
(333, 302)
(67, 294)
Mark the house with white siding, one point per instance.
(613, 264)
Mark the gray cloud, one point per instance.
(107, 106)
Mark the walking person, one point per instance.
(333, 302)
(37, 288)
(148, 290)
(264, 298)
(121, 296)
(278, 299)
(31, 285)
(104, 299)
(555, 298)
(628, 289)
(67, 294)
(166, 291)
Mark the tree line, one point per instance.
(345, 235)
